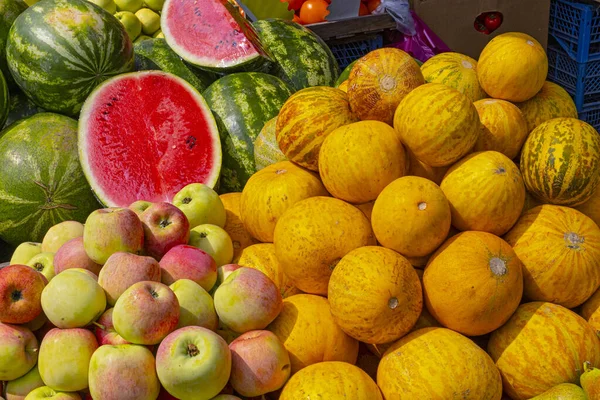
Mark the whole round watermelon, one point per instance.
(41, 183)
(59, 50)
(9, 11)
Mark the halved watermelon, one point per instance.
(213, 35)
(144, 136)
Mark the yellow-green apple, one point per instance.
(215, 241)
(155, 5)
(260, 363)
(86, 272)
(105, 330)
(149, 19)
(201, 205)
(108, 5)
(224, 271)
(193, 363)
(146, 313)
(44, 264)
(247, 300)
(73, 299)
(133, 26)
(188, 262)
(60, 234)
(18, 351)
(165, 226)
(123, 372)
(65, 358)
(110, 230)
(46, 392)
(19, 388)
(72, 255)
(123, 270)
(25, 252)
(139, 206)
(129, 5)
(158, 34)
(20, 292)
(196, 307)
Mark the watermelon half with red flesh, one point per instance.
(213, 35)
(146, 135)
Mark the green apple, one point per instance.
(132, 24)
(193, 363)
(73, 299)
(44, 264)
(142, 38)
(213, 240)
(25, 252)
(149, 19)
(18, 351)
(139, 206)
(60, 234)
(156, 5)
(201, 205)
(108, 5)
(129, 5)
(124, 372)
(196, 307)
(45, 393)
(158, 34)
(19, 388)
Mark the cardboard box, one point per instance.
(453, 20)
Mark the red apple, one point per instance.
(165, 226)
(72, 255)
(105, 330)
(20, 293)
(188, 262)
(18, 351)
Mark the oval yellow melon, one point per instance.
(375, 295)
(262, 257)
(542, 345)
(505, 129)
(357, 161)
(437, 363)
(309, 333)
(306, 119)
(314, 235)
(564, 391)
(234, 226)
(379, 81)
(438, 124)
(513, 66)
(486, 193)
(266, 148)
(271, 192)
(419, 168)
(591, 208)
(331, 381)
(551, 102)
(560, 251)
(590, 311)
(455, 70)
(411, 216)
(473, 283)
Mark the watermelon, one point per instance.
(4, 100)
(213, 35)
(155, 54)
(242, 103)
(144, 136)
(9, 11)
(59, 50)
(41, 183)
(345, 74)
(266, 148)
(302, 58)
(20, 107)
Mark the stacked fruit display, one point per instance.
(315, 11)
(141, 19)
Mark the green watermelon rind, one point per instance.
(87, 109)
(4, 100)
(9, 11)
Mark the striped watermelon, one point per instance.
(242, 103)
(9, 11)
(266, 148)
(302, 58)
(551, 102)
(4, 100)
(41, 183)
(59, 50)
(20, 107)
(560, 161)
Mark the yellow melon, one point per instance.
(455, 70)
(591, 208)
(551, 102)
(234, 226)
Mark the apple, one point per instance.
(110, 230)
(108, 5)
(139, 206)
(105, 330)
(60, 234)
(72, 255)
(196, 307)
(158, 34)
(19, 388)
(146, 313)
(18, 351)
(86, 272)
(123, 270)
(193, 363)
(132, 24)
(188, 262)
(44, 264)
(149, 19)
(20, 292)
(201, 205)
(129, 5)
(25, 252)
(224, 271)
(260, 363)
(227, 334)
(165, 226)
(65, 358)
(73, 299)
(213, 240)
(46, 392)
(124, 372)
(156, 5)
(247, 300)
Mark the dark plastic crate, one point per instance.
(346, 53)
(576, 26)
(592, 116)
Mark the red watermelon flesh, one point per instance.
(212, 34)
(144, 136)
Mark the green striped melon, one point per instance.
(59, 50)
(266, 148)
(9, 11)
(242, 103)
(560, 161)
(20, 107)
(4, 100)
(345, 74)
(551, 102)
(302, 58)
(42, 182)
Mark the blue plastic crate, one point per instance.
(592, 116)
(576, 26)
(345, 53)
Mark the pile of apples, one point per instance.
(141, 18)
(315, 11)
(137, 304)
